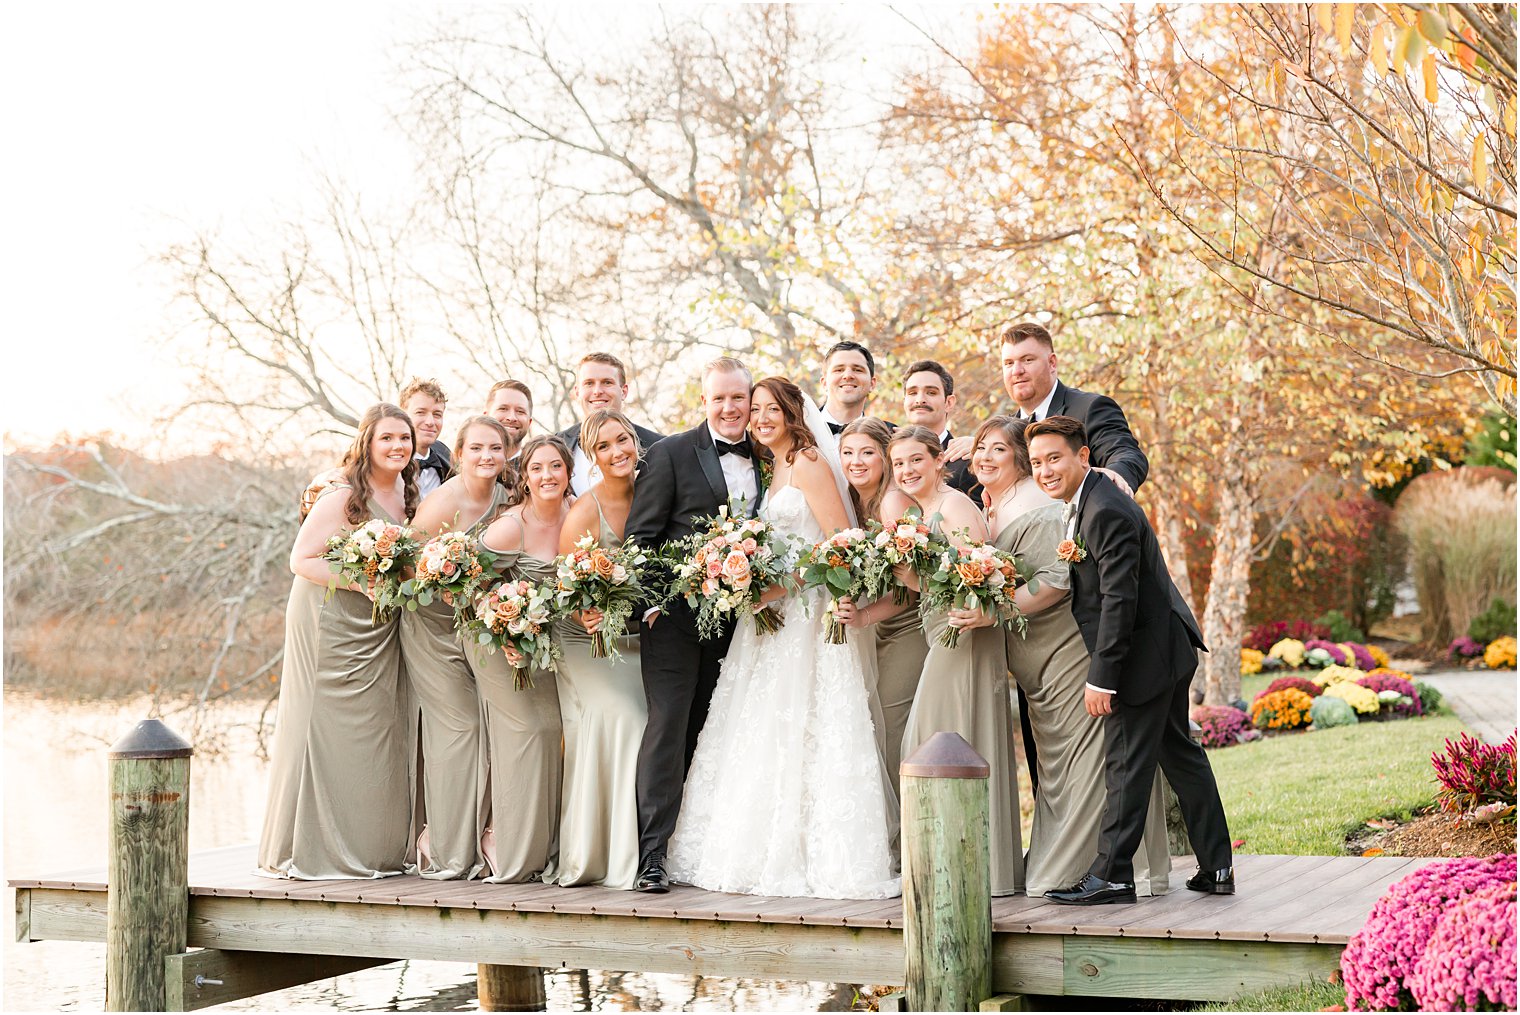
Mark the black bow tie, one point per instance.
(432, 462)
(834, 428)
(741, 448)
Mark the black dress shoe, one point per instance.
(1215, 882)
(652, 877)
(1093, 891)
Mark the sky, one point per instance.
(132, 126)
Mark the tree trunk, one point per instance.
(1230, 580)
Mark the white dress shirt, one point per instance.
(1043, 410)
(427, 481)
(738, 476)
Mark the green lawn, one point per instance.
(1301, 793)
(1316, 996)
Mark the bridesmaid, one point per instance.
(447, 789)
(1050, 664)
(601, 701)
(338, 768)
(522, 728)
(900, 642)
(962, 689)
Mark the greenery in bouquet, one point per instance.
(976, 576)
(373, 556)
(517, 614)
(591, 577)
(847, 564)
(912, 542)
(451, 566)
(724, 567)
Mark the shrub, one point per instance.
(1336, 653)
(1223, 726)
(1500, 654)
(1381, 958)
(1472, 773)
(1461, 532)
(1464, 647)
(1281, 710)
(1358, 697)
(1492, 442)
(1328, 712)
(1264, 636)
(1290, 651)
(1493, 623)
(1407, 704)
(1309, 687)
(1430, 698)
(1361, 658)
(1339, 626)
(1469, 962)
(1337, 674)
(1250, 661)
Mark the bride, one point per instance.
(787, 793)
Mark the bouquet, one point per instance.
(725, 565)
(451, 564)
(909, 541)
(372, 556)
(593, 578)
(848, 563)
(516, 614)
(978, 575)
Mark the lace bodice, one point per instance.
(787, 509)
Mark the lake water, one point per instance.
(56, 820)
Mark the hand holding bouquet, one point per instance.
(453, 565)
(725, 567)
(978, 576)
(848, 563)
(908, 541)
(593, 578)
(516, 614)
(372, 556)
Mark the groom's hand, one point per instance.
(651, 615)
(1099, 703)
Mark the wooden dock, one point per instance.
(1292, 916)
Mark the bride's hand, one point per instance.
(847, 613)
(967, 620)
(590, 619)
(771, 594)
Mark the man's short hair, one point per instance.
(933, 367)
(1028, 329)
(422, 386)
(848, 346)
(1070, 430)
(510, 385)
(606, 359)
(728, 365)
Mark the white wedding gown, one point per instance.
(785, 795)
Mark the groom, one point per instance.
(1143, 641)
(685, 476)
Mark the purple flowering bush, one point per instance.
(1472, 773)
(1464, 648)
(1223, 726)
(1309, 687)
(1389, 680)
(1469, 963)
(1337, 654)
(1381, 959)
(1364, 658)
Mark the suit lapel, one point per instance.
(1057, 402)
(754, 508)
(707, 457)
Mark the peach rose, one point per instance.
(601, 564)
(749, 546)
(736, 570)
(970, 572)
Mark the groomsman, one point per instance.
(424, 401)
(686, 476)
(1143, 642)
(600, 383)
(511, 403)
(849, 377)
(928, 399)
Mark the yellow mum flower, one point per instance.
(1336, 674)
(1500, 654)
(1379, 656)
(1290, 651)
(1363, 699)
(1250, 661)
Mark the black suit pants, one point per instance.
(680, 673)
(1137, 739)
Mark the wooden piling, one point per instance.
(148, 890)
(510, 988)
(947, 881)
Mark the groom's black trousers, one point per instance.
(1137, 738)
(680, 673)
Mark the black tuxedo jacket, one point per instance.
(681, 481)
(647, 437)
(1112, 444)
(1139, 632)
(960, 477)
(438, 452)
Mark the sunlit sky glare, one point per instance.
(130, 127)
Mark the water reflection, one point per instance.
(55, 819)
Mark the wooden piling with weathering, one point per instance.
(148, 879)
(947, 880)
(510, 988)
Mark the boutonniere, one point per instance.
(1073, 551)
(767, 470)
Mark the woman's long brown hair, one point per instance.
(789, 397)
(880, 436)
(529, 446)
(357, 463)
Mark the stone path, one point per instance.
(1483, 699)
